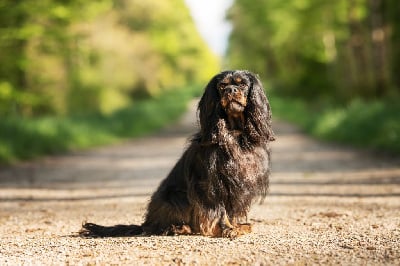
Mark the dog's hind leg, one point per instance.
(179, 230)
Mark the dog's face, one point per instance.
(237, 99)
(233, 89)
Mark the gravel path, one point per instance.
(327, 205)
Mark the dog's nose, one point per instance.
(231, 89)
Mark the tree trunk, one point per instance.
(379, 48)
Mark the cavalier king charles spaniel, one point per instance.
(224, 169)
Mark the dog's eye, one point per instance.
(222, 86)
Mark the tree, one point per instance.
(82, 56)
(317, 48)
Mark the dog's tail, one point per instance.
(120, 230)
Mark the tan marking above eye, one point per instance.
(225, 80)
(238, 80)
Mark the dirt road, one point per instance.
(327, 205)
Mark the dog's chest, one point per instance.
(245, 165)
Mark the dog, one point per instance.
(225, 168)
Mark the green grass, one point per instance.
(367, 124)
(26, 138)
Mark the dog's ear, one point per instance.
(258, 110)
(209, 108)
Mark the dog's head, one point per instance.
(237, 97)
(233, 90)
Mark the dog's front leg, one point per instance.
(232, 231)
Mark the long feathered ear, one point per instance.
(208, 109)
(258, 111)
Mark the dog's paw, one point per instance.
(239, 230)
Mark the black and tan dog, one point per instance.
(224, 169)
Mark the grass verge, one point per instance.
(26, 138)
(367, 124)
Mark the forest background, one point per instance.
(78, 73)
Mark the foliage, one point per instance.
(24, 138)
(318, 48)
(336, 62)
(80, 56)
(366, 124)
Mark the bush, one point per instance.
(26, 138)
(366, 124)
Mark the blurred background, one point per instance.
(78, 73)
